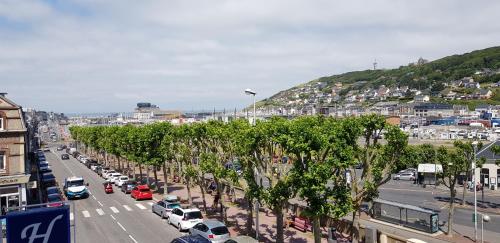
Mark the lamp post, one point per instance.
(484, 218)
(474, 144)
(253, 93)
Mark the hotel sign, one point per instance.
(17, 179)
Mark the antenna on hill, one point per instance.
(375, 64)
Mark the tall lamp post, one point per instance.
(253, 93)
(474, 144)
(484, 218)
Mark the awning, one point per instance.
(429, 168)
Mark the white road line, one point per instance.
(113, 217)
(132, 238)
(150, 203)
(115, 210)
(86, 214)
(140, 206)
(121, 226)
(99, 211)
(89, 192)
(127, 207)
(71, 216)
(94, 197)
(100, 203)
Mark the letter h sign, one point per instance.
(42, 225)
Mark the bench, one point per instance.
(301, 224)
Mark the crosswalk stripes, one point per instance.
(127, 208)
(99, 211)
(115, 210)
(86, 214)
(140, 206)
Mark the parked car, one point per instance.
(103, 171)
(409, 176)
(212, 230)
(52, 190)
(113, 176)
(164, 208)
(184, 219)
(190, 239)
(54, 200)
(141, 192)
(64, 156)
(108, 173)
(242, 239)
(128, 186)
(122, 179)
(59, 148)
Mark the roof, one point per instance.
(187, 210)
(213, 223)
(400, 205)
(486, 153)
(74, 178)
(434, 106)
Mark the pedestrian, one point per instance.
(216, 201)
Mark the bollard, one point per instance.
(370, 235)
(331, 235)
(383, 238)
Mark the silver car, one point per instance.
(212, 230)
(164, 208)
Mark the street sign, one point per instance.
(41, 225)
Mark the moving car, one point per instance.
(190, 239)
(54, 200)
(74, 187)
(64, 156)
(164, 208)
(141, 192)
(108, 188)
(122, 179)
(212, 230)
(128, 186)
(184, 219)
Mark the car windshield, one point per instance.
(173, 205)
(123, 178)
(221, 230)
(75, 183)
(54, 198)
(194, 215)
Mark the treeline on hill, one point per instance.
(320, 151)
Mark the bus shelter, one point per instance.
(406, 215)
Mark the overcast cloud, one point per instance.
(101, 56)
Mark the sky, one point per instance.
(102, 56)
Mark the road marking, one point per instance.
(100, 203)
(150, 203)
(90, 192)
(121, 226)
(86, 214)
(71, 216)
(99, 211)
(140, 206)
(127, 207)
(94, 197)
(132, 238)
(115, 210)
(113, 217)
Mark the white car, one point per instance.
(108, 173)
(113, 177)
(122, 179)
(185, 218)
(409, 176)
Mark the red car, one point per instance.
(108, 188)
(141, 192)
(54, 200)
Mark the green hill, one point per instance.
(482, 65)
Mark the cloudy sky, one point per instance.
(101, 56)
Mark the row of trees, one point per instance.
(322, 154)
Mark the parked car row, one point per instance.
(50, 192)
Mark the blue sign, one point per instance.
(41, 225)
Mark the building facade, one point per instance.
(13, 176)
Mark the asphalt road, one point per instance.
(109, 217)
(436, 199)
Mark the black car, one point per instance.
(60, 148)
(64, 156)
(190, 239)
(128, 186)
(52, 190)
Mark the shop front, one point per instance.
(12, 192)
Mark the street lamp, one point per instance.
(474, 144)
(253, 93)
(484, 218)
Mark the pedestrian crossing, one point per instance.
(112, 210)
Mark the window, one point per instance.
(3, 161)
(1, 123)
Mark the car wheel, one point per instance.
(168, 221)
(180, 228)
(163, 215)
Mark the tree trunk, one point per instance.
(156, 177)
(279, 225)
(119, 162)
(165, 176)
(140, 174)
(188, 187)
(355, 227)
(451, 212)
(465, 189)
(147, 174)
(249, 223)
(202, 189)
(316, 230)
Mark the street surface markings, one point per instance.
(150, 203)
(121, 226)
(99, 211)
(115, 210)
(86, 214)
(127, 207)
(132, 238)
(94, 197)
(140, 206)
(113, 217)
(71, 216)
(100, 203)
